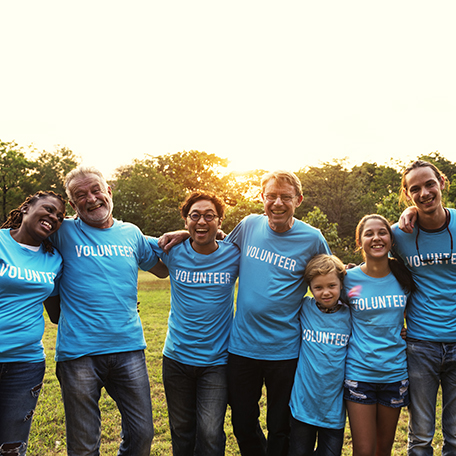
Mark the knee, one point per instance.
(13, 448)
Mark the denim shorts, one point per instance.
(388, 394)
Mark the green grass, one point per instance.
(48, 429)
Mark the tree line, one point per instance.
(149, 191)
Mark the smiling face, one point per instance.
(92, 200)
(424, 189)
(326, 289)
(375, 239)
(39, 220)
(203, 233)
(280, 213)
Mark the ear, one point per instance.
(109, 191)
(300, 198)
(442, 182)
(406, 193)
(73, 206)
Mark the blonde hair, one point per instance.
(322, 265)
(282, 177)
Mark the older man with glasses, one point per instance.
(265, 337)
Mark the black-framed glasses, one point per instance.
(435, 258)
(195, 216)
(272, 197)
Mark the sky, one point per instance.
(267, 84)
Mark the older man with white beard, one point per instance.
(100, 341)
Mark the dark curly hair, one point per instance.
(206, 196)
(14, 219)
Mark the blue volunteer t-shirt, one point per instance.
(271, 286)
(317, 395)
(98, 289)
(376, 352)
(431, 313)
(26, 280)
(202, 295)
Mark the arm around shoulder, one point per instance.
(160, 270)
(168, 240)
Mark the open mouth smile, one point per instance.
(48, 226)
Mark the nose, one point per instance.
(91, 197)
(424, 191)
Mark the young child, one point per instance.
(316, 402)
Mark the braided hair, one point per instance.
(14, 219)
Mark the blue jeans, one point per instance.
(197, 399)
(20, 386)
(303, 437)
(125, 377)
(245, 383)
(431, 364)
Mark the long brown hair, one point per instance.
(398, 268)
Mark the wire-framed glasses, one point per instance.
(271, 197)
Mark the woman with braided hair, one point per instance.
(29, 267)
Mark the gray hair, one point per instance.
(81, 171)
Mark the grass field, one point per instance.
(48, 429)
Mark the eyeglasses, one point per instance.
(271, 197)
(435, 258)
(195, 216)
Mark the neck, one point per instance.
(204, 249)
(376, 268)
(22, 238)
(432, 221)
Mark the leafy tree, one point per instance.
(52, 167)
(147, 198)
(15, 177)
(376, 182)
(447, 167)
(390, 207)
(332, 188)
(235, 214)
(319, 220)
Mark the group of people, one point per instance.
(342, 349)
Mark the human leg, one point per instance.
(424, 360)
(20, 386)
(80, 383)
(212, 398)
(279, 378)
(180, 390)
(302, 438)
(330, 442)
(128, 384)
(448, 382)
(387, 418)
(245, 383)
(363, 427)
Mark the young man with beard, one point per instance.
(100, 342)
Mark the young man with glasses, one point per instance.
(426, 247)
(203, 272)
